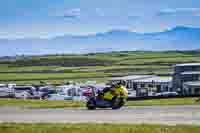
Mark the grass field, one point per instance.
(38, 76)
(95, 128)
(40, 103)
(164, 102)
(65, 104)
(92, 66)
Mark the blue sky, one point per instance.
(49, 18)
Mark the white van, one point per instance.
(6, 91)
(24, 92)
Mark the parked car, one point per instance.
(6, 91)
(167, 93)
(25, 92)
(59, 97)
(87, 92)
(44, 91)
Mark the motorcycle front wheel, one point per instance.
(119, 102)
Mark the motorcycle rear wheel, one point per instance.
(90, 105)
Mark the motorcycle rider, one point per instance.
(116, 90)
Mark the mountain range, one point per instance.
(178, 38)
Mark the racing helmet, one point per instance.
(121, 82)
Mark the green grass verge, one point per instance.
(164, 102)
(65, 104)
(40, 103)
(96, 128)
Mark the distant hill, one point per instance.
(178, 38)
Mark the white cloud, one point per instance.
(179, 11)
(134, 17)
(70, 13)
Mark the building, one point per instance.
(154, 84)
(186, 78)
(185, 81)
(191, 88)
(146, 85)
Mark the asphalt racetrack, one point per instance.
(170, 115)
